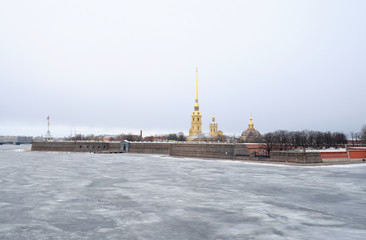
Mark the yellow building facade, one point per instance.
(213, 127)
(196, 123)
(195, 133)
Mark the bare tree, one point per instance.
(363, 134)
(172, 137)
(358, 136)
(181, 137)
(339, 139)
(269, 141)
(283, 140)
(352, 136)
(133, 138)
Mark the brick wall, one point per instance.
(146, 147)
(296, 157)
(204, 150)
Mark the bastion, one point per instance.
(233, 151)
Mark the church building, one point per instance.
(251, 134)
(213, 127)
(196, 124)
(195, 133)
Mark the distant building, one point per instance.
(258, 148)
(48, 136)
(251, 134)
(353, 142)
(213, 127)
(15, 140)
(195, 133)
(7, 139)
(24, 139)
(196, 124)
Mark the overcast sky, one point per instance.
(124, 66)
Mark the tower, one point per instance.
(213, 127)
(196, 124)
(48, 135)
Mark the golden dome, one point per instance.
(250, 135)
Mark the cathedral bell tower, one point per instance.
(196, 124)
(213, 127)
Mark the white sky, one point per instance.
(125, 66)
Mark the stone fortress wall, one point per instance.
(198, 150)
(208, 150)
(149, 147)
(78, 146)
(296, 157)
(202, 150)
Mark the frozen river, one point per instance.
(133, 196)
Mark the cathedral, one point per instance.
(195, 133)
(251, 134)
(196, 125)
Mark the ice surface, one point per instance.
(133, 196)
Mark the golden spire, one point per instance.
(196, 124)
(196, 105)
(251, 124)
(196, 84)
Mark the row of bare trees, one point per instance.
(120, 137)
(363, 134)
(355, 138)
(176, 137)
(278, 140)
(282, 140)
(358, 138)
(130, 137)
